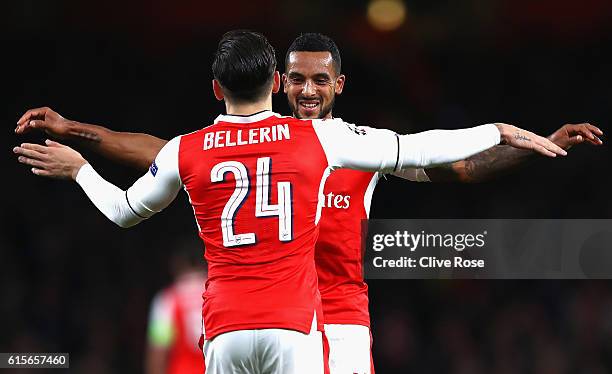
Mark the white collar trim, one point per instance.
(246, 119)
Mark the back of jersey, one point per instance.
(253, 183)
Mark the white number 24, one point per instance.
(263, 208)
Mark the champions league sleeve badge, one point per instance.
(153, 168)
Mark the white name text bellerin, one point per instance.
(231, 138)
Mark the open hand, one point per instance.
(523, 139)
(53, 160)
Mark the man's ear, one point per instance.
(218, 91)
(339, 84)
(284, 80)
(276, 84)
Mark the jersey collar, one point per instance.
(255, 117)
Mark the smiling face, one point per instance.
(311, 83)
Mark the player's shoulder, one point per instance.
(338, 125)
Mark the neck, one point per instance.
(328, 116)
(248, 108)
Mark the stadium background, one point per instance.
(73, 282)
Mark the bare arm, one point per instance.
(136, 150)
(502, 159)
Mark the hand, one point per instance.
(523, 139)
(54, 161)
(570, 135)
(45, 119)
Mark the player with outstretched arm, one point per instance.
(284, 162)
(311, 81)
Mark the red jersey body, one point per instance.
(257, 179)
(338, 254)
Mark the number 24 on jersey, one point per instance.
(263, 208)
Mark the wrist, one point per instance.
(78, 168)
(72, 127)
(83, 133)
(504, 132)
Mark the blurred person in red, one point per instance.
(175, 320)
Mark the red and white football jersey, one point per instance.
(338, 254)
(257, 214)
(256, 209)
(254, 183)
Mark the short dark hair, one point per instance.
(244, 65)
(315, 42)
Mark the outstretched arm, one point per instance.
(502, 159)
(132, 149)
(347, 146)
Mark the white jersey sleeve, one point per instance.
(369, 149)
(148, 195)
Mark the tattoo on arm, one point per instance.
(519, 136)
(87, 136)
(494, 161)
(480, 167)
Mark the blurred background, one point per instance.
(71, 281)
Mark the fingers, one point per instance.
(25, 117)
(32, 157)
(31, 154)
(28, 153)
(33, 118)
(542, 150)
(36, 112)
(594, 129)
(34, 147)
(24, 153)
(51, 143)
(39, 164)
(37, 124)
(549, 146)
(41, 172)
(29, 125)
(575, 140)
(588, 131)
(552, 147)
(23, 128)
